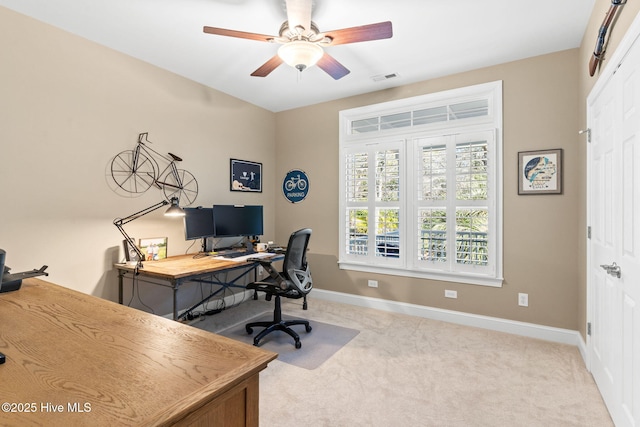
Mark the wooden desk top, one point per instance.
(118, 365)
(180, 266)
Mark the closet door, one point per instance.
(614, 246)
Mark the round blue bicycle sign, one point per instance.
(295, 186)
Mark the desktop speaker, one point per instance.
(130, 253)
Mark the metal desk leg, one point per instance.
(175, 284)
(120, 286)
(255, 279)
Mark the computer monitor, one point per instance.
(198, 223)
(237, 220)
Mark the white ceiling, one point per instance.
(430, 39)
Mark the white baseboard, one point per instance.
(532, 330)
(584, 352)
(564, 336)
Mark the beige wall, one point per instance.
(67, 106)
(540, 233)
(544, 243)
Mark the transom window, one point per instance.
(421, 188)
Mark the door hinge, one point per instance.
(588, 232)
(588, 132)
(589, 328)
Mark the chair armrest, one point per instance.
(278, 280)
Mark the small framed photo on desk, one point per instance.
(246, 176)
(154, 248)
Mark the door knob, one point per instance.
(613, 269)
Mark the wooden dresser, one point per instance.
(74, 359)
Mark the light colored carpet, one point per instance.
(402, 370)
(317, 346)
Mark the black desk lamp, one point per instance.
(174, 210)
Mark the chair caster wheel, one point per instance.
(298, 344)
(308, 328)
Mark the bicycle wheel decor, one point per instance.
(295, 186)
(133, 172)
(181, 184)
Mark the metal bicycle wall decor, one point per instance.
(135, 171)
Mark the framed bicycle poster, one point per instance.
(246, 176)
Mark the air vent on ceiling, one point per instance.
(382, 77)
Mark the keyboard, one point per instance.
(236, 254)
(243, 256)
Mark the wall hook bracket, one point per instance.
(588, 132)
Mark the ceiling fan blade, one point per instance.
(238, 34)
(332, 67)
(267, 67)
(299, 14)
(363, 33)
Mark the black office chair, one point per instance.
(293, 282)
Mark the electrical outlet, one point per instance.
(373, 283)
(260, 270)
(523, 300)
(450, 294)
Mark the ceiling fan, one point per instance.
(302, 42)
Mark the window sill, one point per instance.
(470, 279)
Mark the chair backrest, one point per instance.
(295, 261)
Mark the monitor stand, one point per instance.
(207, 245)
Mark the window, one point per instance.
(421, 189)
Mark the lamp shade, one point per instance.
(174, 209)
(300, 54)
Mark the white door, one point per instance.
(614, 247)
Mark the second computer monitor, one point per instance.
(237, 220)
(198, 223)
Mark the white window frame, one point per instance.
(405, 138)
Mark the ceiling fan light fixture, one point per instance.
(300, 54)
